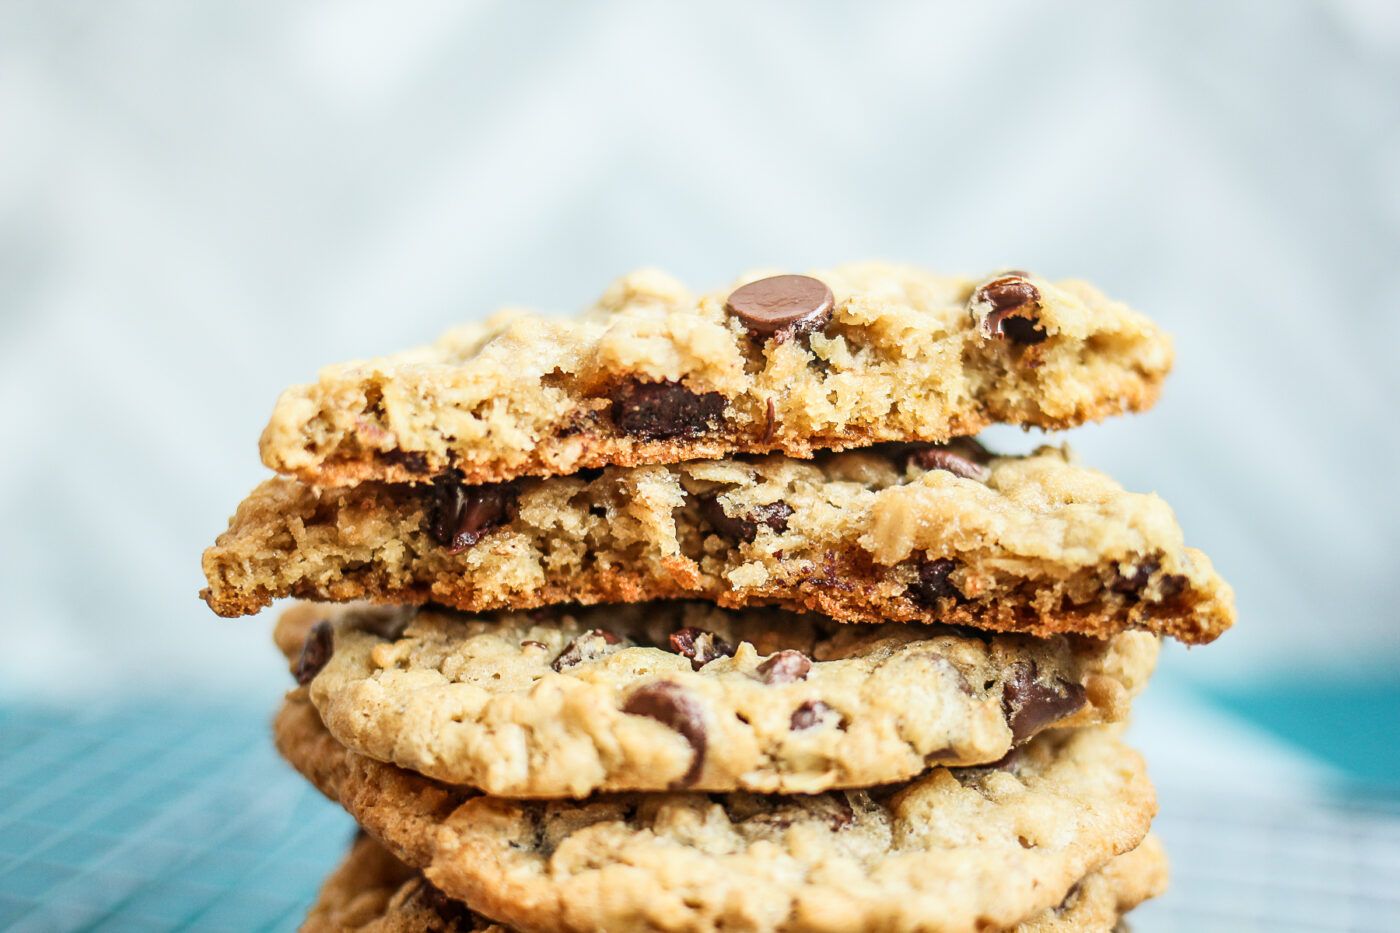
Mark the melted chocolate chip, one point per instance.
(412, 461)
(700, 646)
(933, 584)
(961, 456)
(743, 529)
(783, 304)
(589, 646)
(315, 652)
(808, 715)
(1030, 706)
(664, 410)
(785, 667)
(1009, 306)
(669, 704)
(461, 515)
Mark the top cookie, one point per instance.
(651, 374)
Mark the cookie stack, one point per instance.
(705, 612)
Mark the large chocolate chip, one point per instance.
(745, 528)
(808, 715)
(1030, 705)
(788, 304)
(461, 515)
(785, 667)
(961, 456)
(669, 704)
(664, 410)
(1009, 307)
(700, 646)
(315, 652)
(933, 584)
(589, 646)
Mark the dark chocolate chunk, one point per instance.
(961, 456)
(664, 410)
(669, 704)
(1030, 705)
(1009, 306)
(589, 646)
(700, 646)
(785, 667)
(461, 515)
(744, 529)
(808, 715)
(315, 652)
(933, 584)
(787, 304)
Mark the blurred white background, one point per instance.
(200, 204)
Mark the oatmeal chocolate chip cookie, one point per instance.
(652, 374)
(955, 849)
(949, 533)
(566, 702)
(374, 892)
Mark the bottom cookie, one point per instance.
(955, 849)
(373, 892)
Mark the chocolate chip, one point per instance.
(412, 461)
(1172, 584)
(1008, 307)
(1135, 583)
(933, 584)
(961, 456)
(1030, 706)
(786, 304)
(531, 643)
(744, 529)
(461, 515)
(700, 646)
(785, 667)
(808, 715)
(669, 704)
(772, 424)
(664, 410)
(589, 646)
(315, 652)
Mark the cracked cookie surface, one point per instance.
(373, 892)
(955, 849)
(1034, 544)
(654, 374)
(566, 702)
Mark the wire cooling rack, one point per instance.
(171, 818)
